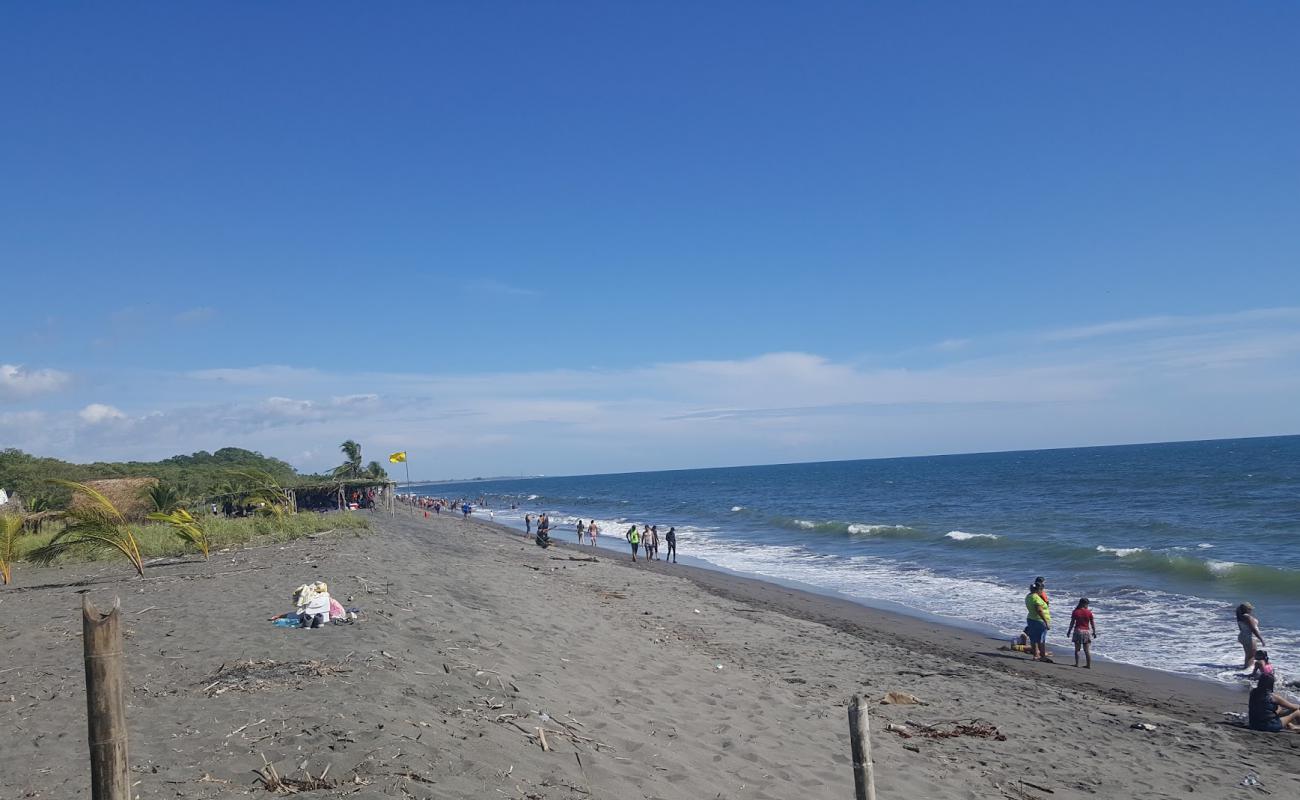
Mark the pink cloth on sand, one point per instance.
(336, 610)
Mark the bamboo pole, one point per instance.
(864, 772)
(105, 702)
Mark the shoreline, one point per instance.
(1198, 698)
(649, 682)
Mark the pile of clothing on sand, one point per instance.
(313, 607)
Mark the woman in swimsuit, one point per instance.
(1248, 632)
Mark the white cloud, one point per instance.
(16, 381)
(192, 316)
(1170, 321)
(289, 408)
(1220, 375)
(98, 413)
(490, 286)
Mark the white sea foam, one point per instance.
(870, 529)
(533, 496)
(1120, 552)
(963, 536)
(737, 508)
(805, 524)
(1220, 567)
(1205, 545)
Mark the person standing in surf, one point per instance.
(528, 525)
(1082, 630)
(634, 539)
(1248, 632)
(671, 539)
(592, 530)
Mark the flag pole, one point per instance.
(407, 462)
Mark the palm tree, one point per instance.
(376, 470)
(96, 525)
(10, 526)
(351, 466)
(260, 489)
(163, 497)
(184, 525)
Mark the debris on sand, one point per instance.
(256, 675)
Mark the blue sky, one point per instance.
(566, 237)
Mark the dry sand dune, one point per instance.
(648, 684)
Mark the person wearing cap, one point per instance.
(1037, 622)
(1270, 712)
(1248, 632)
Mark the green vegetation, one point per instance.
(351, 466)
(157, 540)
(186, 527)
(93, 527)
(163, 498)
(196, 476)
(176, 501)
(11, 526)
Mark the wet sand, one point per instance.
(656, 681)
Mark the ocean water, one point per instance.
(1164, 539)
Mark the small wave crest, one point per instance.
(1121, 552)
(1255, 577)
(737, 508)
(850, 528)
(963, 536)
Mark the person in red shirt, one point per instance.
(1082, 630)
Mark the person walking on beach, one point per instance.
(634, 539)
(581, 530)
(671, 539)
(528, 525)
(592, 530)
(1248, 632)
(1038, 622)
(1082, 630)
(652, 546)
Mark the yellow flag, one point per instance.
(398, 458)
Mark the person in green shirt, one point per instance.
(1038, 621)
(634, 539)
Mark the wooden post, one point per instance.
(105, 702)
(864, 772)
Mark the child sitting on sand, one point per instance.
(1262, 666)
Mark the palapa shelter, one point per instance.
(337, 494)
(126, 494)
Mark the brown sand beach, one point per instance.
(648, 681)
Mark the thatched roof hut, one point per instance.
(126, 494)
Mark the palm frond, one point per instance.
(99, 504)
(184, 525)
(11, 525)
(93, 526)
(163, 497)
